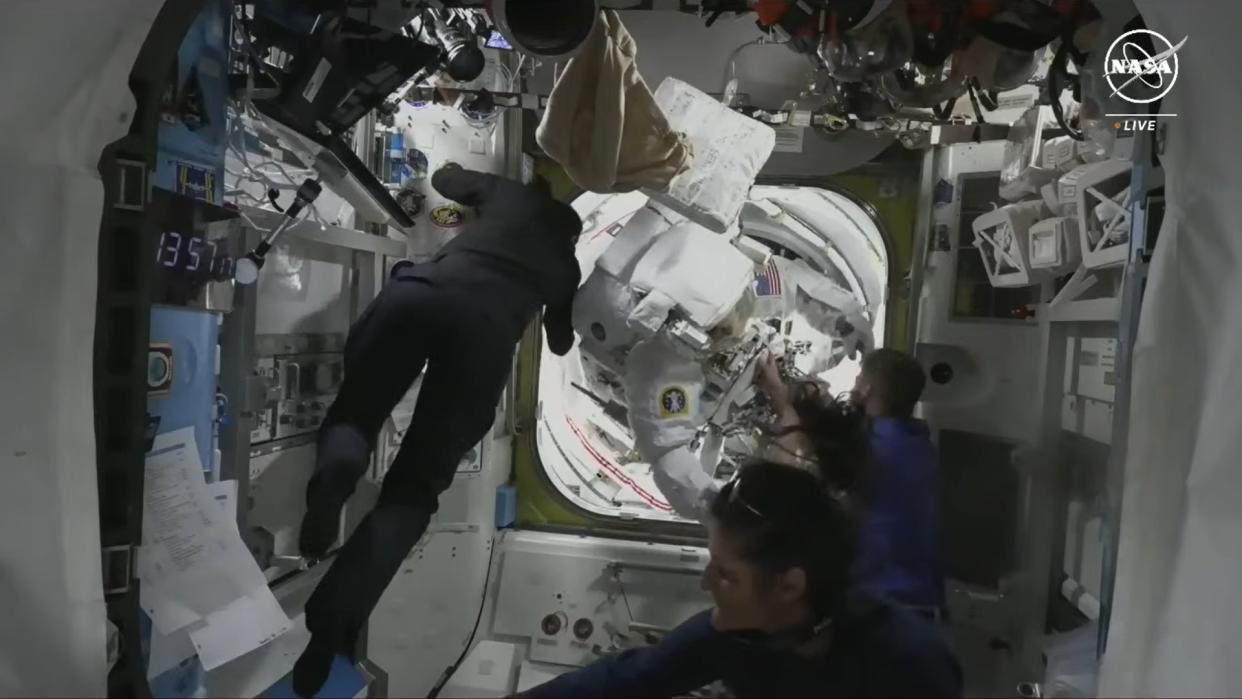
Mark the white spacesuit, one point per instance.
(679, 315)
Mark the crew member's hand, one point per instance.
(768, 380)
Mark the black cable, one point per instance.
(990, 99)
(974, 101)
(452, 669)
(1056, 70)
(624, 597)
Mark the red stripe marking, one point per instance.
(616, 471)
(626, 218)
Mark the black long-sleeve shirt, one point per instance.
(877, 649)
(522, 232)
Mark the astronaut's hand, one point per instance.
(768, 380)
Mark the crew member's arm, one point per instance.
(466, 187)
(792, 446)
(663, 389)
(688, 658)
(558, 314)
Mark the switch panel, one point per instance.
(295, 393)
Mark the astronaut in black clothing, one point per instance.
(461, 315)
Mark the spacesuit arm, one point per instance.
(831, 310)
(663, 386)
(467, 187)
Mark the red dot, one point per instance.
(1117, 125)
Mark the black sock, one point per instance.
(312, 669)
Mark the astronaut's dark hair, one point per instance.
(782, 517)
(897, 379)
(837, 431)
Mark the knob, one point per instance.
(246, 271)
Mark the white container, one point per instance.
(1054, 245)
(1002, 237)
(1102, 202)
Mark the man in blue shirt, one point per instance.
(899, 553)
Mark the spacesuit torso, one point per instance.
(649, 316)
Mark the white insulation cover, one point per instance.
(1176, 622)
(729, 151)
(64, 67)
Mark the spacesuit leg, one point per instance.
(384, 353)
(663, 386)
(456, 406)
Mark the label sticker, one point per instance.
(789, 139)
(674, 403)
(311, 91)
(159, 369)
(196, 182)
(447, 216)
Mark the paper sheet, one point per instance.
(198, 578)
(168, 614)
(168, 651)
(224, 493)
(246, 624)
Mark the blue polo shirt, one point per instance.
(877, 649)
(899, 553)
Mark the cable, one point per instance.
(624, 597)
(452, 669)
(730, 63)
(1059, 69)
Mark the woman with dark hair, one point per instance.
(898, 489)
(787, 621)
(815, 431)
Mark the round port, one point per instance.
(551, 624)
(583, 628)
(941, 373)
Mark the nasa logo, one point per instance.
(447, 216)
(673, 403)
(1136, 75)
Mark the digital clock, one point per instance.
(195, 256)
(193, 246)
(194, 270)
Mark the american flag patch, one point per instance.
(769, 281)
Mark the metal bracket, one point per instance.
(118, 567)
(618, 567)
(131, 178)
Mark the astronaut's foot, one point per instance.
(312, 668)
(319, 531)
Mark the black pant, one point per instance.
(466, 338)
